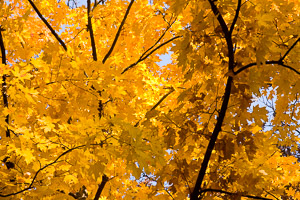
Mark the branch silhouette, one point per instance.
(49, 164)
(236, 16)
(232, 193)
(218, 127)
(90, 29)
(118, 33)
(278, 62)
(147, 55)
(48, 25)
(105, 179)
(158, 103)
(4, 86)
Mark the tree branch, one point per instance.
(272, 62)
(168, 27)
(278, 62)
(232, 193)
(157, 104)
(150, 53)
(3, 55)
(101, 186)
(42, 168)
(226, 33)
(118, 33)
(4, 86)
(97, 3)
(236, 16)
(218, 127)
(288, 51)
(48, 25)
(195, 194)
(162, 99)
(90, 29)
(211, 144)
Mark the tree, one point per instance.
(88, 113)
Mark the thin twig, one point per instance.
(118, 33)
(271, 195)
(75, 35)
(90, 29)
(46, 166)
(48, 25)
(150, 53)
(168, 27)
(162, 99)
(42, 168)
(97, 3)
(157, 104)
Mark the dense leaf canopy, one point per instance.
(88, 112)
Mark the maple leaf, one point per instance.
(84, 95)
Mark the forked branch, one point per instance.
(218, 127)
(226, 32)
(159, 39)
(142, 58)
(118, 33)
(48, 25)
(146, 54)
(272, 62)
(46, 166)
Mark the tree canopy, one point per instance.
(88, 111)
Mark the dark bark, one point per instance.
(272, 62)
(218, 128)
(232, 193)
(4, 86)
(101, 187)
(48, 25)
(118, 33)
(90, 29)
